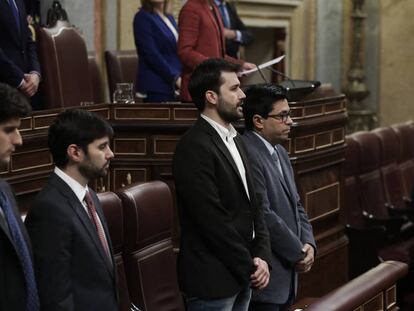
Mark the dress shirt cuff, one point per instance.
(36, 73)
(20, 84)
(239, 36)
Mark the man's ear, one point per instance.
(74, 153)
(257, 122)
(211, 97)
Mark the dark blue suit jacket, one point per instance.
(158, 63)
(12, 281)
(17, 49)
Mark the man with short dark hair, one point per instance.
(224, 246)
(267, 118)
(18, 291)
(74, 261)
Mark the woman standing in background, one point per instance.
(156, 35)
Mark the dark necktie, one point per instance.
(97, 224)
(224, 15)
(275, 156)
(22, 252)
(15, 13)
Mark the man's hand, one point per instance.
(306, 263)
(30, 84)
(260, 278)
(229, 34)
(248, 66)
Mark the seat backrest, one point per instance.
(405, 132)
(352, 196)
(114, 215)
(150, 259)
(64, 63)
(390, 171)
(371, 187)
(95, 78)
(121, 67)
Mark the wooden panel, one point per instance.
(323, 139)
(304, 143)
(130, 146)
(322, 201)
(135, 113)
(185, 114)
(375, 304)
(37, 159)
(165, 145)
(391, 298)
(44, 121)
(314, 111)
(26, 124)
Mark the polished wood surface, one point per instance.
(144, 143)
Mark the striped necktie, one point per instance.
(97, 224)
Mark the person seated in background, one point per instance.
(201, 37)
(235, 32)
(156, 35)
(267, 118)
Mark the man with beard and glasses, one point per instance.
(224, 248)
(73, 256)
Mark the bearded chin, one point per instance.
(91, 172)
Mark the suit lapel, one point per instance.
(79, 209)
(215, 137)
(243, 155)
(165, 30)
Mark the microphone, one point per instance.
(282, 75)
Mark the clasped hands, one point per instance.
(260, 278)
(306, 263)
(30, 84)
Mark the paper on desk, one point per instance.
(264, 65)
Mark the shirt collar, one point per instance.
(225, 133)
(219, 2)
(76, 187)
(267, 144)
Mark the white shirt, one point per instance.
(77, 188)
(227, 135)
(169, 25)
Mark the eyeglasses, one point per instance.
(281, 117)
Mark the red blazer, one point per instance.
(201, 37)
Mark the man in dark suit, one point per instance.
(235, 32)
(19, 66)
(74, 261)
(18, 291)
(224, 246)
(267, 118)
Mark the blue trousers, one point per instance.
(238, 302)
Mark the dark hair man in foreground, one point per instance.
(74, 262)
(224, 246)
